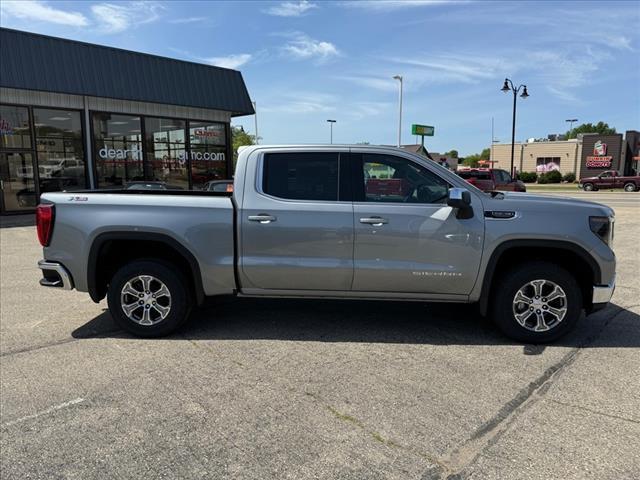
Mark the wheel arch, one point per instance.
(569, 255)
(110, 250)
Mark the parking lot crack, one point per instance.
(460, 458)
(597, 412)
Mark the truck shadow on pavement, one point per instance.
(369, 322)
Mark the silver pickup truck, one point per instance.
(332, 222)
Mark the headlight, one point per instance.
(603, 228)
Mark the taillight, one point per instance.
(45, 214)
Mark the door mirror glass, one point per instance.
(459, 198)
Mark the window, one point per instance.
(208, 152)
(301, 176)
(502, 176)
(399, 180)
(547, 164)
(477, 174)
(14, 127)
(166, 153)
(59, 149)
(118, 149)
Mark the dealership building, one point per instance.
(75, 115)
(586, 156)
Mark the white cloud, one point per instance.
(41, 11)
(117, 17)
(188, 20)
(386, 5)
(302, 46)
(230, 61)
(291, 9)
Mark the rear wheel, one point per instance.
(588, 187)
(149, 298)
(630, 187)
(537, 302)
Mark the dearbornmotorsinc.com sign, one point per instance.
(136, 154)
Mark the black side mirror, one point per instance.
(460, 198)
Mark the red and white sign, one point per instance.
(599, 162)
(600, 149)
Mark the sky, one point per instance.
(305, 62)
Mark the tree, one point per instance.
(452, 153)
(474, 160)
(240, 138)
(600, 127)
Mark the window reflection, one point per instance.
(207, 153)
(166, 153)
(14, 127)
(117, 149)
(59, 150)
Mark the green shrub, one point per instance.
(569, 177)
(528, 177)
(554, 176)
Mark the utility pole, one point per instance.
(399, 78)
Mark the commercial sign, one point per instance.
(424, 130)
(599, 159)
(5, 127)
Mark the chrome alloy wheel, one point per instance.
(540, 305)
(145, 300)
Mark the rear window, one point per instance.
(477, 175)
(301, 176)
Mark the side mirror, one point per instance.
(460, 198)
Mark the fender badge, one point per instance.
(76, 198)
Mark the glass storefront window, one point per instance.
(59, 149)
(166, 152)
(117, 149)
(207, 152)
(14, 127)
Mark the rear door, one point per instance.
(407, 240)
(297, 223)
(503, 180)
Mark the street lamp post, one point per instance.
(571, 121)
(508, 86)
(255, 118)
(399, 78)
(331, 122)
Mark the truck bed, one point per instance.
(201, 222)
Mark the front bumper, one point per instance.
(55, 275)
(602, 294)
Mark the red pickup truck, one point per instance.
(490, 179)
(610, 179)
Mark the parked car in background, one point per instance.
(317, 221)
(610, 179)
(152, 185)
(219, 186)
(491, 179)
(59, 167)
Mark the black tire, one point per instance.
(179, 302)
(630, 187)
(502, 302)
(589, 187)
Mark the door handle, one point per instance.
(262, 218)
(375, 221)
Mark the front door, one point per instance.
(407, 240)
(17, 179)
(297, 224)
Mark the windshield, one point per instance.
(478, 175)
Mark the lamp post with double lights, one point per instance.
(331, 122)
(571, 121)
(509, 87)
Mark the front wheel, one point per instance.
(630, 187)
(588, 187)
(537, 302)
(149, 298)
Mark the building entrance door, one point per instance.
(17, 180)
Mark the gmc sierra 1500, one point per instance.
(332, 222)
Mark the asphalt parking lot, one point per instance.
(255, 389)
